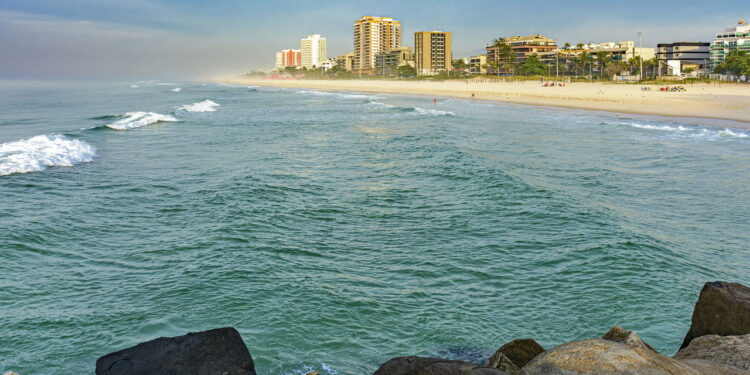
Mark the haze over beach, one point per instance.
(395, 188)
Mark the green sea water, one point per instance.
(338, 230)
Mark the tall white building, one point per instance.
(732, 39)
(313, 49)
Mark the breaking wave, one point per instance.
(338, 94)
(38, 153)
(693, 131)
(421, 111)
(176, 89)
(137, 119)
(204, 106)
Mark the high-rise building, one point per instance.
(313, 49)
(432, 52)
(371, 36)
(732, 39)
(288, 58)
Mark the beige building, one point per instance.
(432, 52)
(313, 51)
(371, 36)
(388, 61)
(346, 61)
(478, 64)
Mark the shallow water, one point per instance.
(338, 230)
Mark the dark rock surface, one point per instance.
(729, 351)
(723, 309)
(512, 356)
(433, 366)
(214, 352)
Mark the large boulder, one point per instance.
(723, 309)
(598, 356)
(629, 338)
(729, 351)
(215, 352)
(512, 356)
(433, 366)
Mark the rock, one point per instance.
(512, 356)
(10, 373)
(433, 366)
(723, 309)
(729, 351)
(629, 338)
(598, 356)
(215, 352)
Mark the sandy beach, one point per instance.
(726, 101)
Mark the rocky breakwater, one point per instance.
(718, 343)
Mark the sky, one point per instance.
(163, 39)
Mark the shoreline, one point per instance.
(726, 105)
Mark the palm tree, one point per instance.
(603, 58)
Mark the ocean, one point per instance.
(338, 230)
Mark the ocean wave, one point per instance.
(418, 110)
(134, 86)
(137, 119)
(176, 89)
(657, 127)
(693, 131)
(204, 106)
(37, 153)
(338, 94)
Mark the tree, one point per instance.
(532, 66)
(504, 56)
(584, 63)
(579, 45)
(460, 64)
(567, 45)
(602, 59)
(407, 71)
(736, 63)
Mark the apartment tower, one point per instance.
(313, 51)
(288, 58)
(432, 52)
(371, 36)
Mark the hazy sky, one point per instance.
(124, 39)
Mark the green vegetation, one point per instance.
(736, 63)
(503, 62)
(460, 64)
(407, 71)
(532, 67)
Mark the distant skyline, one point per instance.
(116, 39)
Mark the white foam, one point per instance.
(134, 86)
(204, 106)
(433, 112)
(176, 89)
(37, 153)
(138, 119)
(729, 133)
(693, 131)
(421, 111)
(657, 127)
(337, 94)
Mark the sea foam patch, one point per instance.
(38, 153)
(417, 110)
(176, 89)
(137, 119)
(697, 132)
(204, 106)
